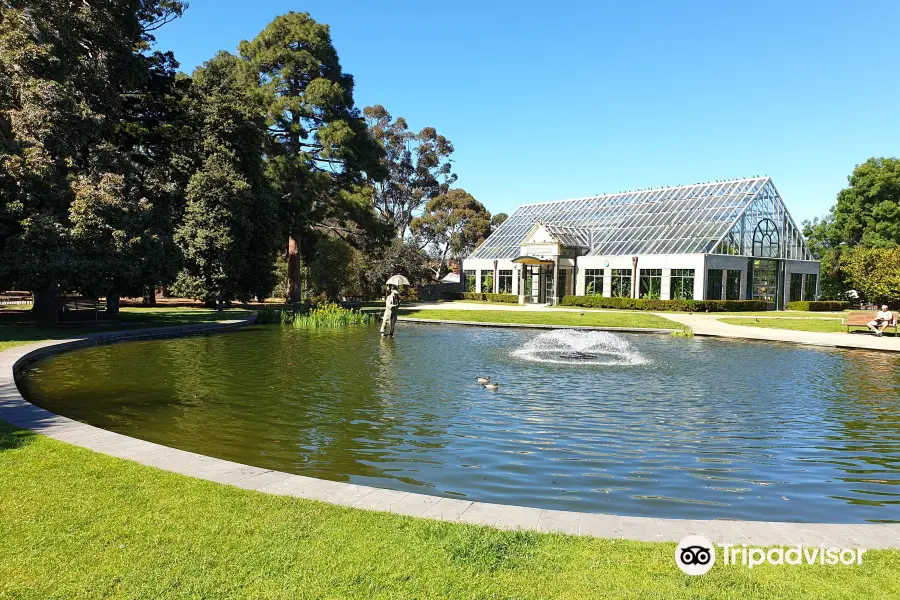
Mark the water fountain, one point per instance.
(571, 346)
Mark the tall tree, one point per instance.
(498, 219)
(867, 214)
(452, 225)
(228, 232)
(64, 71)
(418, 165)
(320, 152)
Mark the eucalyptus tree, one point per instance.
(418, 165)
(319, 154)
(452, 225)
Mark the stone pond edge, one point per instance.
(19, 412)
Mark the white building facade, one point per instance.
(729, 240)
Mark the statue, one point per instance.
(391, 305)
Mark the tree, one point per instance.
(867, 214)
(374, 268)
(64, 74)
(874, 272)
(498, 220)
(228, 232)
(453, 225)
(418, 166)
(319, 153)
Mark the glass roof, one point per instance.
(680, 220)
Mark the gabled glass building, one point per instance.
(727, 240)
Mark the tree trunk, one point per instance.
(112, 303)
(150, 298)
(219, 307)
(294, 271)
(44, 307)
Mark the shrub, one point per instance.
(819, 305)
(665, 305)
(485, 297)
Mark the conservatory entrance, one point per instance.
(765, 281)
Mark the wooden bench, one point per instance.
(860, 318)
(71, 307)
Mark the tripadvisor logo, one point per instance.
(696, 555)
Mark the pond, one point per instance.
(640, 424)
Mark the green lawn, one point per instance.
(589, 318)
(823, 325)
(15, 334)
(78, 524)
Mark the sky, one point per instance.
(546, 101)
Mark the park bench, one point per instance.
(859, 318)
(70, 308)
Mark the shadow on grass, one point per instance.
(11, 437)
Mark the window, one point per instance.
(714, 284)
(621, 283)
(733, 285)
(651, 284)
(469, 281)
(504, 281)
(593, 282)
(765, 239)
(796, 287)
(810, 292)
(681, 284)
(487, 282)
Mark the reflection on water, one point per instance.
(692, 428)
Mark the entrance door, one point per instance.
(764, 281)
(563, 280)
(533, 284)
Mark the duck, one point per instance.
(491, 386)
(484, 380)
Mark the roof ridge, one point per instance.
(648, 190)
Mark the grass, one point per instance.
(821, 325)
(80, 524)
(16, 334)
(592, 319)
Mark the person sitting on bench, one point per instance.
(881, 321)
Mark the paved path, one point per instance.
(710, 325)
(16, 410)
(707, 324)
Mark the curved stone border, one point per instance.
(16, 410)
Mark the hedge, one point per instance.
(485, 297)
(829, 305)
(665, 305)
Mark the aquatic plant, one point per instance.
(326, 315)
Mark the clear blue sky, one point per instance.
(548, 101)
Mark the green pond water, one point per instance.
(646, 425)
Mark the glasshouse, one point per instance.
(725, 240)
